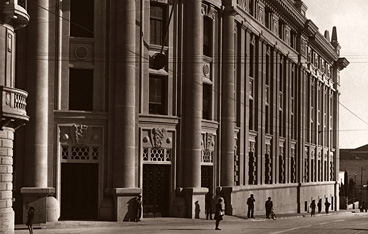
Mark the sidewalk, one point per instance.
(169, 221)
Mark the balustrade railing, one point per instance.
(13, 103)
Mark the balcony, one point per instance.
(14, 13)
(13, 107)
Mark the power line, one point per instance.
(183, 59)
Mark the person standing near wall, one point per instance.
(327, 205)
(313, 207)
(268, 206)
(250, 203)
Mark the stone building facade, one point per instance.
(171, 99)
(13, 103)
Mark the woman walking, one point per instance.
(30, 219)
(219, 212)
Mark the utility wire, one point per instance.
(235, 56)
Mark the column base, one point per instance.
(46, 206)
(195, 201)
(123, 198)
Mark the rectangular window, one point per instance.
(207, 94)
(81, 89)
(157, 23)
(268, 18)
(157, 95)
(251, 7)
(281, 30)
(251, 59)
(81, 18)
(207, 36)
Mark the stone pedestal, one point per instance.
(195, 202)
(45, 205)
(123, 198)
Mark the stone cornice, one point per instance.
(324, 46)
(342, 63)
(289, 10)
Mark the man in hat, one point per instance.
(268, 206)
(137, 208)
(250, 203)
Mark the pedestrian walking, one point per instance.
(250, 203)
(208, 205)
(313, 207)
(327, 205)
(364, 206)
(29, 222)
(319, 205)
(268, 206)
(137, 208)
(219, 212)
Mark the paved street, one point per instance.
(338, 223)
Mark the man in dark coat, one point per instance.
(327, 206)
(269, 206)
(208, 205)
(250, 203)
(313, 207)
(137, 208)
(319, 205)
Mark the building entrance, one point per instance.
(156, 190)
(79, 191)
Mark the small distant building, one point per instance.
(355, 163)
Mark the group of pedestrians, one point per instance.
(268, 207)
(220, 210)
(313, 207)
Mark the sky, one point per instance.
(350, 19)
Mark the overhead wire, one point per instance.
(219, 62)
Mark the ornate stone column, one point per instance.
(124, 158)
(192, 105)
(36, 192)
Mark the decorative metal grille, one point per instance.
(64, 152)
(80, 153)
(252, 168)
(236, 166)
(206, 177)
(282, 169)
(207, 156)
(157, 154)
(95, 152)
(156, 185)
(293, 170)
(268, 171)
(332, 171)
(306, 170)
